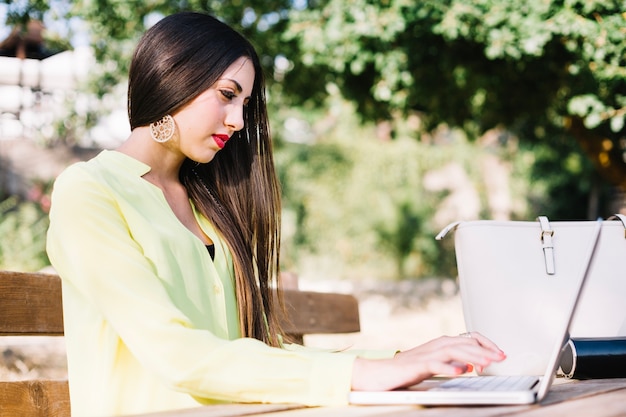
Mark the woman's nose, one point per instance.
(234, 118)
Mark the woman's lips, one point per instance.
(221, 140)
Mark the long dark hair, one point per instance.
(177, 59)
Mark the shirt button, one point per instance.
(216, 289)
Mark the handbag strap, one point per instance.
(547, 245)
(447, 230)
(621, 218)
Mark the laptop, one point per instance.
(486, 390)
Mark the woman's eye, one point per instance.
(228, 94)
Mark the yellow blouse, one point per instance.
(150, 320)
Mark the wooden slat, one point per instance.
(226, 410)
(36, 398)
(316, 312)
(30, 304)
(607, 404)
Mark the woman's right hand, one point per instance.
(442, 356)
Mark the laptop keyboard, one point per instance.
(489, 383)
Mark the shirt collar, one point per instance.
(125, 162)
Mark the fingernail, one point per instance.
(470, 367)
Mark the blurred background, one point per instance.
(391, 119)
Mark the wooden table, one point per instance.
(596, 398)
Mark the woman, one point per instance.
(168, 246)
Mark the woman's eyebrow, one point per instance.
(237, 85)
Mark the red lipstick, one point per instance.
(221, 140)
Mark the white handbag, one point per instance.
(516, 278)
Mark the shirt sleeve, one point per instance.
(361, 353)
(92, 249)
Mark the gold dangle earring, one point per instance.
(162, 130)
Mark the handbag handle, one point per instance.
(547, 245)
(447, 230)
(621, 218)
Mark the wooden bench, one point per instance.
(31, 305)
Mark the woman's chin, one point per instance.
(203, 158)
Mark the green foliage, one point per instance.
(23, 226)
(496, 60)
(19, 13)
(476, 64)
(563, 180)
(357, 207)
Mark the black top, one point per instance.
(211, 249)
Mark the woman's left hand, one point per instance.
(444, 355)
